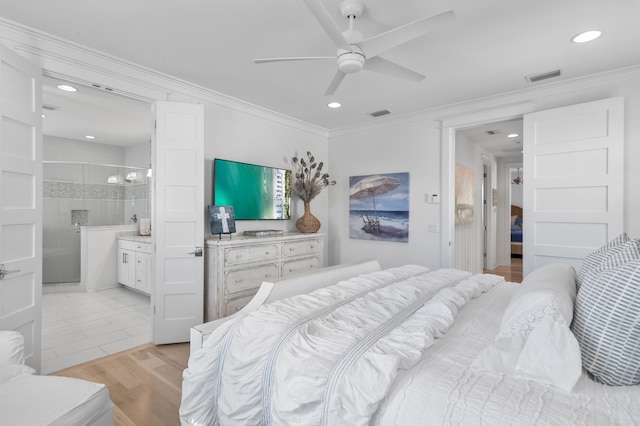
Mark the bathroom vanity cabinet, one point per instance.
(134, 263)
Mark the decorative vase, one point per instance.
(308, 223)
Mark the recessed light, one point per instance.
(43, 116)
(513, 135)
(67, 88)
(586, 36)
(89, 137)
(334, 105)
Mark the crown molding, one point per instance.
(523, 98)
(74, 62)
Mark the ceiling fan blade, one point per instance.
(382, 66)
(335, 82)
(330, 27)
(377, 44)
(301, 58)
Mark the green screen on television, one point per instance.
(254, 192)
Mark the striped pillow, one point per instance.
(617, 252)
(606, 323)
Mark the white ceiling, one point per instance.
(112, 119)
(490, 48)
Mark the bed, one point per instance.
(516, 231)
(413, 346)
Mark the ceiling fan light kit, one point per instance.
(350, 62)
(355, 53)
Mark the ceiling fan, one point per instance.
(356, 53)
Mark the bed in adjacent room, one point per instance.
(516, 231)
(413, 346)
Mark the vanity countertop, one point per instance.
(135, 237)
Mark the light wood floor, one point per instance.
(145, 383)
(511, 273)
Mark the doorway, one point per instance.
(86, 133)
(496, 144)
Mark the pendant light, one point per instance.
(518, 180)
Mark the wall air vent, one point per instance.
(542, 76)
(381, 112)
(49, 107)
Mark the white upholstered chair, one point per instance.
(30, 399)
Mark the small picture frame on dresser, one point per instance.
(222, 220)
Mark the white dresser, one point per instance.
(236, 267)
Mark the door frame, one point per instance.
(132, 91)
(448, 126)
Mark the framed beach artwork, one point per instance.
(465, 184)
(379, 207)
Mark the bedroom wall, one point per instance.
(412, 144)
(237, 135)
(412, 147)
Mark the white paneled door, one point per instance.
(178, 292)
(20, 201)
(573, 181)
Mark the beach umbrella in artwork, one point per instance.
(372, 186)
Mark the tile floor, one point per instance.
(83, 326)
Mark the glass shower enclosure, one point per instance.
(85, 194)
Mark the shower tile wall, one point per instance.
(105, 204)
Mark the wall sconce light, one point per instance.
(131, 177)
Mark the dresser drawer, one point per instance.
(234, 305)
(242, 255)
(299, 248)
(300, 266)
(250, 278)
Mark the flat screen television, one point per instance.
(255, 192)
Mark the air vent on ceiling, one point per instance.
(542, 76)
(49, 107)
(493, 132)
(381, 112)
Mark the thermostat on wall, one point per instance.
(433, 198)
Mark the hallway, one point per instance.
(512, 273)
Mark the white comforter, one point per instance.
(326, 358)
(444, 389)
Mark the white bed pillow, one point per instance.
(534, 341)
